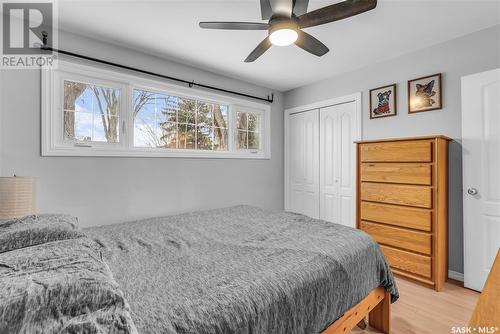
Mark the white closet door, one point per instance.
(337, 163)
(481, 177)
(303, 163)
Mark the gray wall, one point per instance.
(473, 53)
(109, 190)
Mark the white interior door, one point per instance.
(481, 174)
(337, 163)
(303, 163)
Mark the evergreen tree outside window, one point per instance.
(166, 121)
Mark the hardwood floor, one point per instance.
(421, 310)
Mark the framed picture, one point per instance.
(424, 94)
(383, 101)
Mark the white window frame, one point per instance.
(58, 117)
(53, 143)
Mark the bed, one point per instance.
(241, 270)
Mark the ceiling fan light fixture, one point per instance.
(283, 37)
(283, 32)
(287, 18)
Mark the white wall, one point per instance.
(108, 190)
(473, 53)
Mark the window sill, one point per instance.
(96, 151)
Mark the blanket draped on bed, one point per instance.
(241, 270)
(53, 280)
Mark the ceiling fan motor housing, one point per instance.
(282, 23)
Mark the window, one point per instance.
(91, 113)
(179, 123)
(248, 131)
(88, 111)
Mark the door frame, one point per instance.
(355, 97)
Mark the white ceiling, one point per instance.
(170, 29)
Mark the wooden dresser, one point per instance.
(402, 202)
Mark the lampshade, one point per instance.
(17, 196)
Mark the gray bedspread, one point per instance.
(53, 280)
(35, 230)
(241, 270)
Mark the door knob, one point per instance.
(472, 191)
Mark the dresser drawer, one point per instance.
(399, 151)
(409, 262)
(396, 173)
(420, 219)
(419, 196)
(406, 239)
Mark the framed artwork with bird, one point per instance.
(425, 94)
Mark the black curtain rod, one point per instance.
(191, 84)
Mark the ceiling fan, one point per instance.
(287, 18)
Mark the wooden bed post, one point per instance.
(377, 305)
(380, 316)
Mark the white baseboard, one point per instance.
(456, 275)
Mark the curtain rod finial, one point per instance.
(270, 98)
(44, 39)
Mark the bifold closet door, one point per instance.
(303, 163)
(337, 163)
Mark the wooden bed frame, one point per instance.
(377, 306)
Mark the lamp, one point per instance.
(17, 196)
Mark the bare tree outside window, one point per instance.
(72, 90)
(248, 131)
(107, 101)
(91, 112)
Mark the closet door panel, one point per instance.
(337, 159)
(303, 162)
(329, 171)
(346, 137)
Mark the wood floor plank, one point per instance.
(421, 310)
(487, 311)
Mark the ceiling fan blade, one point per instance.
(282, 8)
(234, 25)
(311, 44)
(265, 9)
(259, 50)
(336, 12)
(300, 7)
